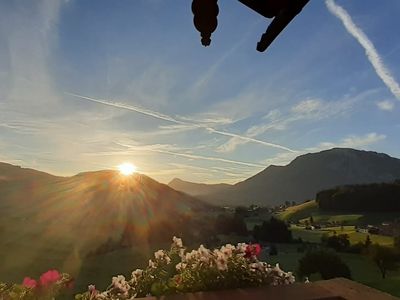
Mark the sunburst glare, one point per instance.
(127, 169)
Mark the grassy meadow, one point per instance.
(363, 270)
(303, 211)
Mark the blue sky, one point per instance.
(87, 85)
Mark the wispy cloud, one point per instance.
(352, 141)
(28, 80)
(207, 76)
(179, 122)
(372, 54)
(305, 110)
(169, 150)
(385, 105)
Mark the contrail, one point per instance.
(177, 121)
(372, 54)
(131, 108)
(192, 156)
(249, 139)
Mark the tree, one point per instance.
(311, 220)
(327, 264)
(241, 212)
(273, 250)
(396, 242)
(339, 242)
(367, 241)
(274, 230)
(226, 224)
(385, 258)
(363, 197)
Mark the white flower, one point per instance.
(180, 266)
(217, 252)
(203, 251)
(91, 288)
(205, 259)
(278, 270)
(222, 262)
(291, 278)
(159, 254)
(177, 242)
(228, 249)
(152, 264)
(258, 266)
(136, 274)
(120, 283)
(182, 253)
(241, 247)
(307, 281)
(191, 255)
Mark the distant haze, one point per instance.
(302, 178)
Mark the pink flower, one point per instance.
(92, 291)
(70, 284)
(51, 276)
(252, 250)
(29, 283)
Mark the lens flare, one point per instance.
(127, 169)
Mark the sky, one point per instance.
(88, 85)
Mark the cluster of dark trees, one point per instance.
(227, 224)
(326, 263)
(341, 243)
(385, 258)
(377, 197)
(274, 230)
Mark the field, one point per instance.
(314, 236)
(303, 211)
(363, 270)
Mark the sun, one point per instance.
(127, 169)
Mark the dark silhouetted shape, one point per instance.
(327, 264)
(375, 197)
(205, 18)
(274, 230)
(283, 11)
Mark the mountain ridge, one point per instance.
(196, 189)
(307, 174)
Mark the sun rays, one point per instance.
(127, 169)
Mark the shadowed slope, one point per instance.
(308, 174)
(60, 220)
(196, 189)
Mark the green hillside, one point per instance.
(301, 212)
(298, 212)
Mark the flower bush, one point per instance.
(169, 272)
(48, 286)
(180, 271)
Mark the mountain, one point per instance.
(197, 189)
(308, 174)
(47, 220)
